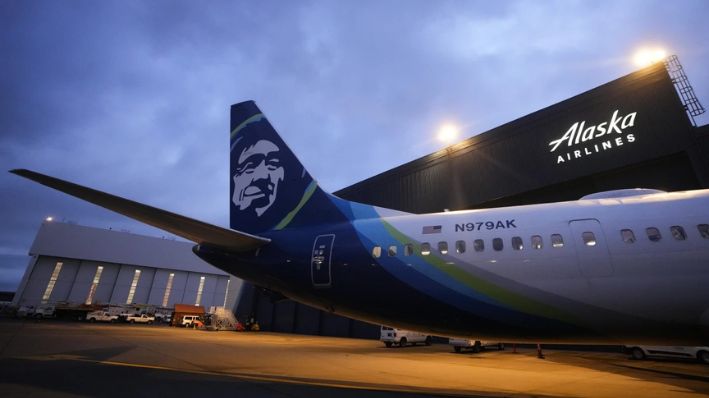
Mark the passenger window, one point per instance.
(460, 246)
(537, 242)
(627, 235)
(479, 245)
(678, 232)
(425, 249)
(443, 247)
(557, 241)
(408, 249)
(392, 251)
(497, 244)
(377, 252)
(704, 230)
(589, 239)
(653, 234)
(517, 243)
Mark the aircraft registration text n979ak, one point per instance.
(613, 267)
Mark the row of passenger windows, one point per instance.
(536, 241)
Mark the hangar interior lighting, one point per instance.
(94, 285)
(447, 133)
(200, 289)
(133, 286)
(226, 292)
(52, 282)
(168, 289)
(648, 56)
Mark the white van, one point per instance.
(475, 345)
(401, 337)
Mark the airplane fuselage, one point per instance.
(599, 271)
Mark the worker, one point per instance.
(540, 354)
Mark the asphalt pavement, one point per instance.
(71, 359)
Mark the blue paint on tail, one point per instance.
(270, 189)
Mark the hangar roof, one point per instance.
(96, 244)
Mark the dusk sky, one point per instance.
(132, 97)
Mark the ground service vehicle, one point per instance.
(474, 345)
(43, 311)
(25, 311)
(101, 316)
(142, 318)
(390, 336)
(162, 317)
(642, 351)
(190, 320)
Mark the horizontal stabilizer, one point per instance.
(188, 228)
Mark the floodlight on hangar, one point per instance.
(648, 56)
(447, 133)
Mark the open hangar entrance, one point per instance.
(635, 131)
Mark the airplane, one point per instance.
(611, 268)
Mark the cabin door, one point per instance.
(320, 271)
(591, 248)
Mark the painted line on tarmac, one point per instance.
(303, 381)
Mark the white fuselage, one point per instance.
(612, 268)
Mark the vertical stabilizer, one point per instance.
(269, 187)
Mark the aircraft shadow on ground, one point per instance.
(680, 372)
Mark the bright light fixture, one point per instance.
(50, 218)
(648, 56)
(447, 133)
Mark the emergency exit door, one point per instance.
(591, 248)
(320, 269)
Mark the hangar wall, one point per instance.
(622, 134)
(167, 268)
(287, 316)
(630, 132)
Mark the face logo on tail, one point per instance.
(269, 186)
(259, 172)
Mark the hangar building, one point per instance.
(631, 132)
(77, 265)
(636, 131)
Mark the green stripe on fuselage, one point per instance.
(510, 299)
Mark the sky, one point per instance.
(133, 97)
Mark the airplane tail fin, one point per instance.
(270, 189)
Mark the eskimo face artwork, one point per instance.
(258, 173)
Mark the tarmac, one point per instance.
(74, 359)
